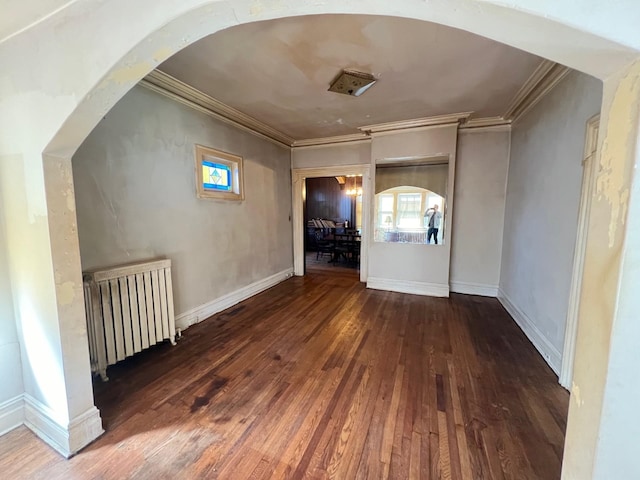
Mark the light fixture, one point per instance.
(353, 83)
(352, 186)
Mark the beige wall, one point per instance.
(420, 268)
(429, 177)
(135, 190)
(481, 179)
(482, 162)
(543, 195)
(10, 363)
(27, 236)
(357, 153)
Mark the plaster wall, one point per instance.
(29, 263)
(482, 164)
(603, 423)
(329, 155)
(481, 175)
(429, 177)
(424, 267)
(135, 190)
(541, 217)
(622, 393)
(10, 362)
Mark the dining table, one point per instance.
(347, 247)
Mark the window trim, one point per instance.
(396, 218)
(394, 224)
(234, 162)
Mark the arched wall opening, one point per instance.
(170, 28)
(181, 26)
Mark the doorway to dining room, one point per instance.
(331, 208)
(333, 222)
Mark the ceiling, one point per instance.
(278, 71)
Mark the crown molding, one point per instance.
(314, 142)
(544, 78)
(485, 122)
(414, 130)
(528, 87)
(540, 83)
(416, 123)
(171, 87)
(475, 124)
(388, 128)
(505, 127)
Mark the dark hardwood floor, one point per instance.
(324, 263)
(319, 377)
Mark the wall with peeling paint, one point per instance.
(541, 217)
(607, 359)
(135, 190)
(10, 364)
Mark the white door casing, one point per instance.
(298, 191)
(588, 181)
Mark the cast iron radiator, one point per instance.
(128, 308)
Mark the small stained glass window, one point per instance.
(218, 174)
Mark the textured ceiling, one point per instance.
(278, 71)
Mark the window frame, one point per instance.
(380, 213)
(424, 199)
(233, 162)
(419, 217)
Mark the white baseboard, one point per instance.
(84, 429)
(474, 289)
(196, 315)
(550, 353)
(81, 431)
(11, 414)
(408, 286)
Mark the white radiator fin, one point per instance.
(129, 309)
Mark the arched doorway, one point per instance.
(78, 97)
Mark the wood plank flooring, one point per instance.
(327, 265)
(321, 378)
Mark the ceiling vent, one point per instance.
(352, 83)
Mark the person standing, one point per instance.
(435, 218)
